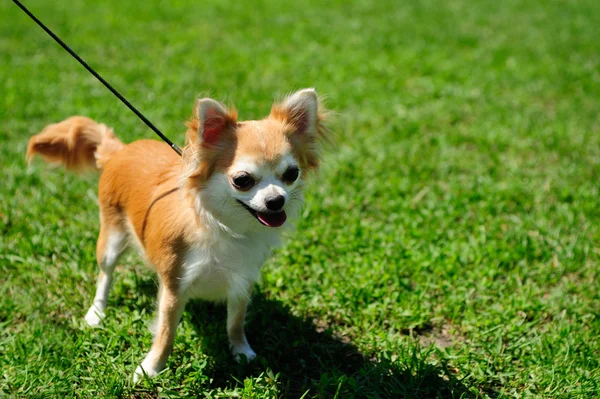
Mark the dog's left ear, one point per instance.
(300, 110)
(303, 112)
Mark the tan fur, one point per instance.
(204, 159)
(148, 191)
(306, 147)
(77, 143)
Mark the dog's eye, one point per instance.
(243, 181)
(290, 175)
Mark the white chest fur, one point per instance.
(223, 266)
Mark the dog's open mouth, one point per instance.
(275, 219)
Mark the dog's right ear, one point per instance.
(210, 136)
(214, 119)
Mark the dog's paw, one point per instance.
(243, 351)
(145, 369)
(94, 316)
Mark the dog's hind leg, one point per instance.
(111, 243)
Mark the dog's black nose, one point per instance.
(275, 203)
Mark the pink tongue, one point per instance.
(272, 219)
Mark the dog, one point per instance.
(205, 222)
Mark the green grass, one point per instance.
(450, 246)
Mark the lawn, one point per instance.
(449, 248)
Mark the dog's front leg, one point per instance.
(236, 315)
(170, 308)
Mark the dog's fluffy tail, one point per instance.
(78, 143)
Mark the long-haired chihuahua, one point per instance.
(206, 221)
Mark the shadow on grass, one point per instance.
(308, 359)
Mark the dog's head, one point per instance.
(251, 174)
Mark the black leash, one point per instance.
(104, 82)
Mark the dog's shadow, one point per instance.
(311, 358)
